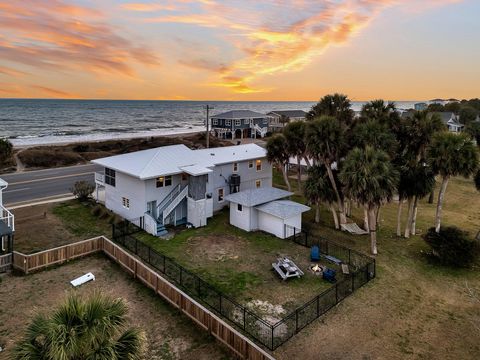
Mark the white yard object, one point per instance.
(286, 268)
(82, 279)
(354, 229)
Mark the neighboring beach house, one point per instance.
(177, 185)
(451, 121)
(240, 124)
(266, 209)
(276, 118)
(7, 224)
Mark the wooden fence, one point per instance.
(5, 262)
(243, 347)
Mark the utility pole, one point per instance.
(208, 108)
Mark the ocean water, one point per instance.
(36, 121)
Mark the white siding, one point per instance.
(241, 219)
(275, 225)
(131, 188)
(271, 224)
(248, 176)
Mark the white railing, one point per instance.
(174, 203)
(261, 131)
(7, 217)
(100, 178)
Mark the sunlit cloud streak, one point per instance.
(54, 35)
(279, 36)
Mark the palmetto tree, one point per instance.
(95, 328)
(451, 155)
(381, 112)
(336, 105)
(294, 133)
(369, 177)
(319, 190)
(277, 153)
(325, 141)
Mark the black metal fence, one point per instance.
(265, 333)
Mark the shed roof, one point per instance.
(283, 209)
(173, 159)
(288, 113)
(239, 114)
(254, 197)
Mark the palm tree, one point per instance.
(95, 328)
(451, 155)
(373, 133)
(477, 180)
(324, 137)
(336, 105)
(369, 178)
(381, 112)
(277, 153)
(294, 133)
(318, 189)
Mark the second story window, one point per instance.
(258, 164)
(238, 122)
(235, 167)
(220, 195)
(109, 176)
(250, 164)
(228, 122)
(163, 181)
(126, 202)
(215, 122)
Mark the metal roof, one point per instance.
(168, 160)
(196, 170)
(239, 114)
(283, 209)
(289, 113)
(254, 197)
(3, 183)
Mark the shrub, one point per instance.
(6, 150)
(81, 148)
(83, 190)
(48, 158)
(452, 246)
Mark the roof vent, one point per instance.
(212, 154)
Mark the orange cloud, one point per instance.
(58, 36)
(11, 72)
(286, 36)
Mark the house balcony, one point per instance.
(99, 179)
(7, 223)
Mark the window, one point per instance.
(126, 203)
(215, 122)
(239, 207)
(258, 164)
(235, 167)
(246, 121)
(238, 122)
(258, 183)
(164, 181)
(220, 195)
(184, 177)
(250, 164)
(228, 122)
(109, 176)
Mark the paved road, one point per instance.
(41, 184)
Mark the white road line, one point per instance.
(10, 191)
(49, 178)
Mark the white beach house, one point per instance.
(175, 185)
(7, 224)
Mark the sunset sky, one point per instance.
(240, 50)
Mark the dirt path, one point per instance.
(19, 165)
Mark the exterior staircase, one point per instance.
(261, 131)
(167, 206)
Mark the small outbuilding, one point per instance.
(266, 209)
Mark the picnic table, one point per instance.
(286, 268)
